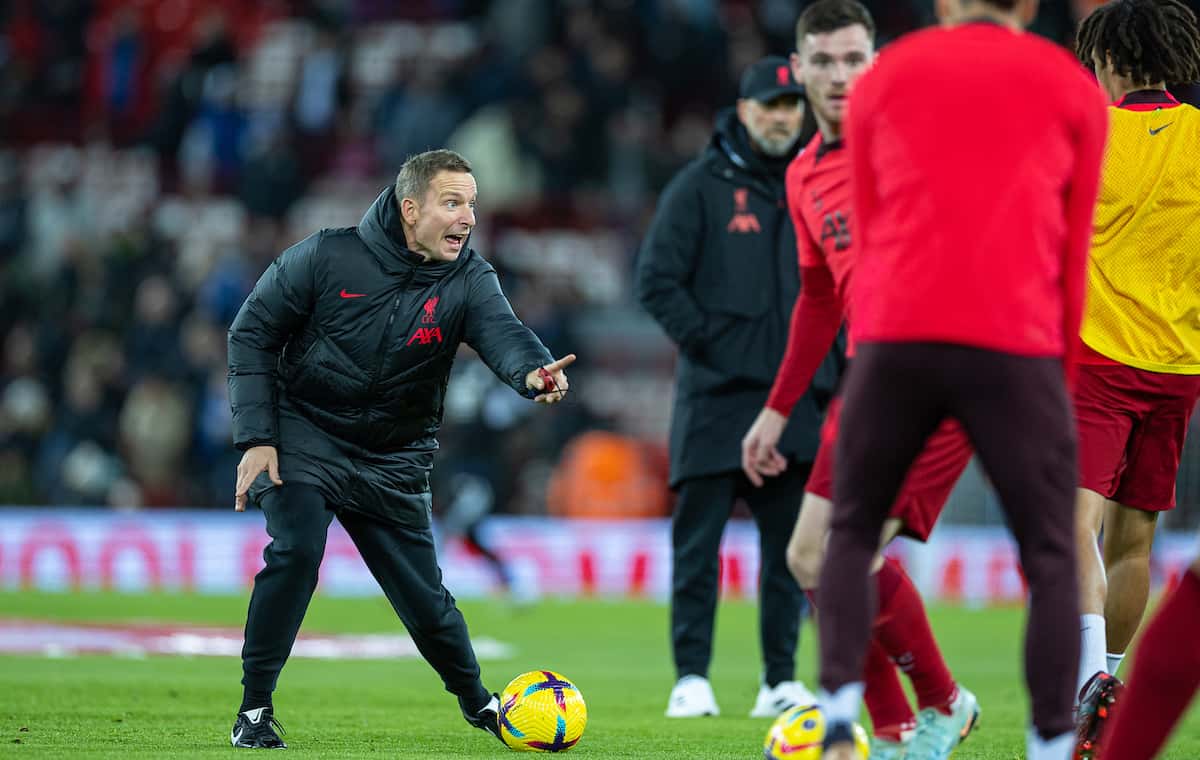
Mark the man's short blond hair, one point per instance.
(420, 169)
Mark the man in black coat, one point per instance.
(338, 366)
(718, 271)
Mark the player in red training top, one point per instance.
(975, 155)
(835, 43)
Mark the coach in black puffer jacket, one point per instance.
(717, 270)
(343, 352)
(338, 366)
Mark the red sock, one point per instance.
(887, 704)
(1166, 673)
(902, 628)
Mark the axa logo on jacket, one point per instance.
(426, 335)
(743, 221)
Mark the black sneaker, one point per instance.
(255, 729)
(1096, 700)
(488, 717)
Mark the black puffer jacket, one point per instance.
(341, 355)
(717, 270)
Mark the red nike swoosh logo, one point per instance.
(351, 295)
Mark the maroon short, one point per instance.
(1132, 424)
(927, 485)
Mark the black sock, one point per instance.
(252, 698)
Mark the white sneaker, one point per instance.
(692, 697)
(786, 695)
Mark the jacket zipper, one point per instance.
(383, 339)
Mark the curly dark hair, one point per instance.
(1147, 41)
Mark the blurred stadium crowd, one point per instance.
(156, 155)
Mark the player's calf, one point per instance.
(806, 549)
(804, 563)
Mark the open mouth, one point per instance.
(455, 241)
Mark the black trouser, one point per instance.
(401, 559)
(1016, 412)
(702, 508)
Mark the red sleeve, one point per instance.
(1080, 209)
(816, 318)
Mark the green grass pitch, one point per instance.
(616, 652)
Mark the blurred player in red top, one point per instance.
(975, 155)
(834, 39)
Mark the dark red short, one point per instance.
(1132, 424)
(929, 481)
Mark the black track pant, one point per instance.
(1017, 414)
(702, 508)
(401, 559)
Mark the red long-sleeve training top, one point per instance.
(818, 194)
(975, 156)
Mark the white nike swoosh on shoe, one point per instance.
(235, 738)
(255, 715)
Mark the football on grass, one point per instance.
(797, 734)
(541, 711)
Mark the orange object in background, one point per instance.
(603, 475)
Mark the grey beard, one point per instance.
(773, 147)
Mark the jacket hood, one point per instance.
(731, 140)
(382, 232)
